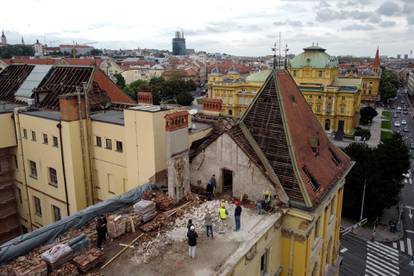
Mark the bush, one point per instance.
(367, 114)
(184, 98)
(365, 134)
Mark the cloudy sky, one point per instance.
(241, 27)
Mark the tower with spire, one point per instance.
(376, 63)
(3, 39)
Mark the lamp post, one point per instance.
(363, 199)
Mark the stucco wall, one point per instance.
(225, 153)
(7, 137)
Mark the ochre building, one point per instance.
(335, 101)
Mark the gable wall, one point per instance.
(225, 153)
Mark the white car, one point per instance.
(403, 122)
(397, 124)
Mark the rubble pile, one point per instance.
(67, 269)
(159, 221)
(24, 266)
(89, 260)
(162, 201)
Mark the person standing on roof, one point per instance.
(101, 231)
(237, 214)
(211, 186)
(223, 217)
(192, 241)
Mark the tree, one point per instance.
(96, 52)
(9, 51)
(389, 84)
(380, 169)
(365, 134)
(367, 114)
(135, 86)
(184, 98)
(120, 81)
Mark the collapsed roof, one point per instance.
(290, 142)
(20, 82)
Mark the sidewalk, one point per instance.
(382, 233)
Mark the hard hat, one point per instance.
(192, 227)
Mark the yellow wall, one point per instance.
(370, 89)
(306, 75)
(109, 165)
(7, 136)
(307, 250)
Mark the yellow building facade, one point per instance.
(335, 101)
(235, 92)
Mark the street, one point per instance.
(362, 257)
(405, 245)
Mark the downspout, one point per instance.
(18, 129)
(291, 254)
(59, 126)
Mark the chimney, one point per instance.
(69, 107)
(212, 106)
(178, 161)
(145, 98)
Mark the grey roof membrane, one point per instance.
(25, 91)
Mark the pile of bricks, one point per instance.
(67, 269)
(163, 201)
(116, 225)
(29, 266)
(154, 224)
(89, 260)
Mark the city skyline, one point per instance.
(239, 28)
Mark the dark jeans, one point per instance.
(209, 195)
(100, 239)
(237, 220)
(209, 229)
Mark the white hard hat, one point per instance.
(192, 227)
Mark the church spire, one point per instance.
(3, 38)
(377, 62)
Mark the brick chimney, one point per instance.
(212, 106)
(176, 120)
(145, 98)
(69, 107)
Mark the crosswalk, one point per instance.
(404, 246)
(381, 260)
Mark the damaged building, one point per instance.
(70, 155)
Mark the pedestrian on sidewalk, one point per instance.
(223, 217)
(208, 221)
(237, 214)
(211, 186)
(101, 231)
(192, 241)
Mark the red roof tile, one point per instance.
(112, 90)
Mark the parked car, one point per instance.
(405, 112)
(403, 122)
(397, 124)
(406, 129)
(395, 115)
(412, 146)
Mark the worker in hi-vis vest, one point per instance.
(223, 217)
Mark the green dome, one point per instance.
(315, 57)
(260, 76)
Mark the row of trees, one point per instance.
(389, 84)
(172, 90)
(9, 51)
(381, 170)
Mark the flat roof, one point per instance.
(196, 126)
(149, 108)
(110, 116)
(46, 114)
(6, 107)
(171, 250)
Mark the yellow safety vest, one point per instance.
(223, 214)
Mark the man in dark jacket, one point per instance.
(192, 241)
(211, 186)
(237, 214)
(101, 231)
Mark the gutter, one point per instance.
(59, 126)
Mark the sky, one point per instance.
(239, 27)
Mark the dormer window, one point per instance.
(335, 158)
(312, 180)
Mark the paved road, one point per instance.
(361, 257)
(406, 244)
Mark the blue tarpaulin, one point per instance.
(46, 234)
